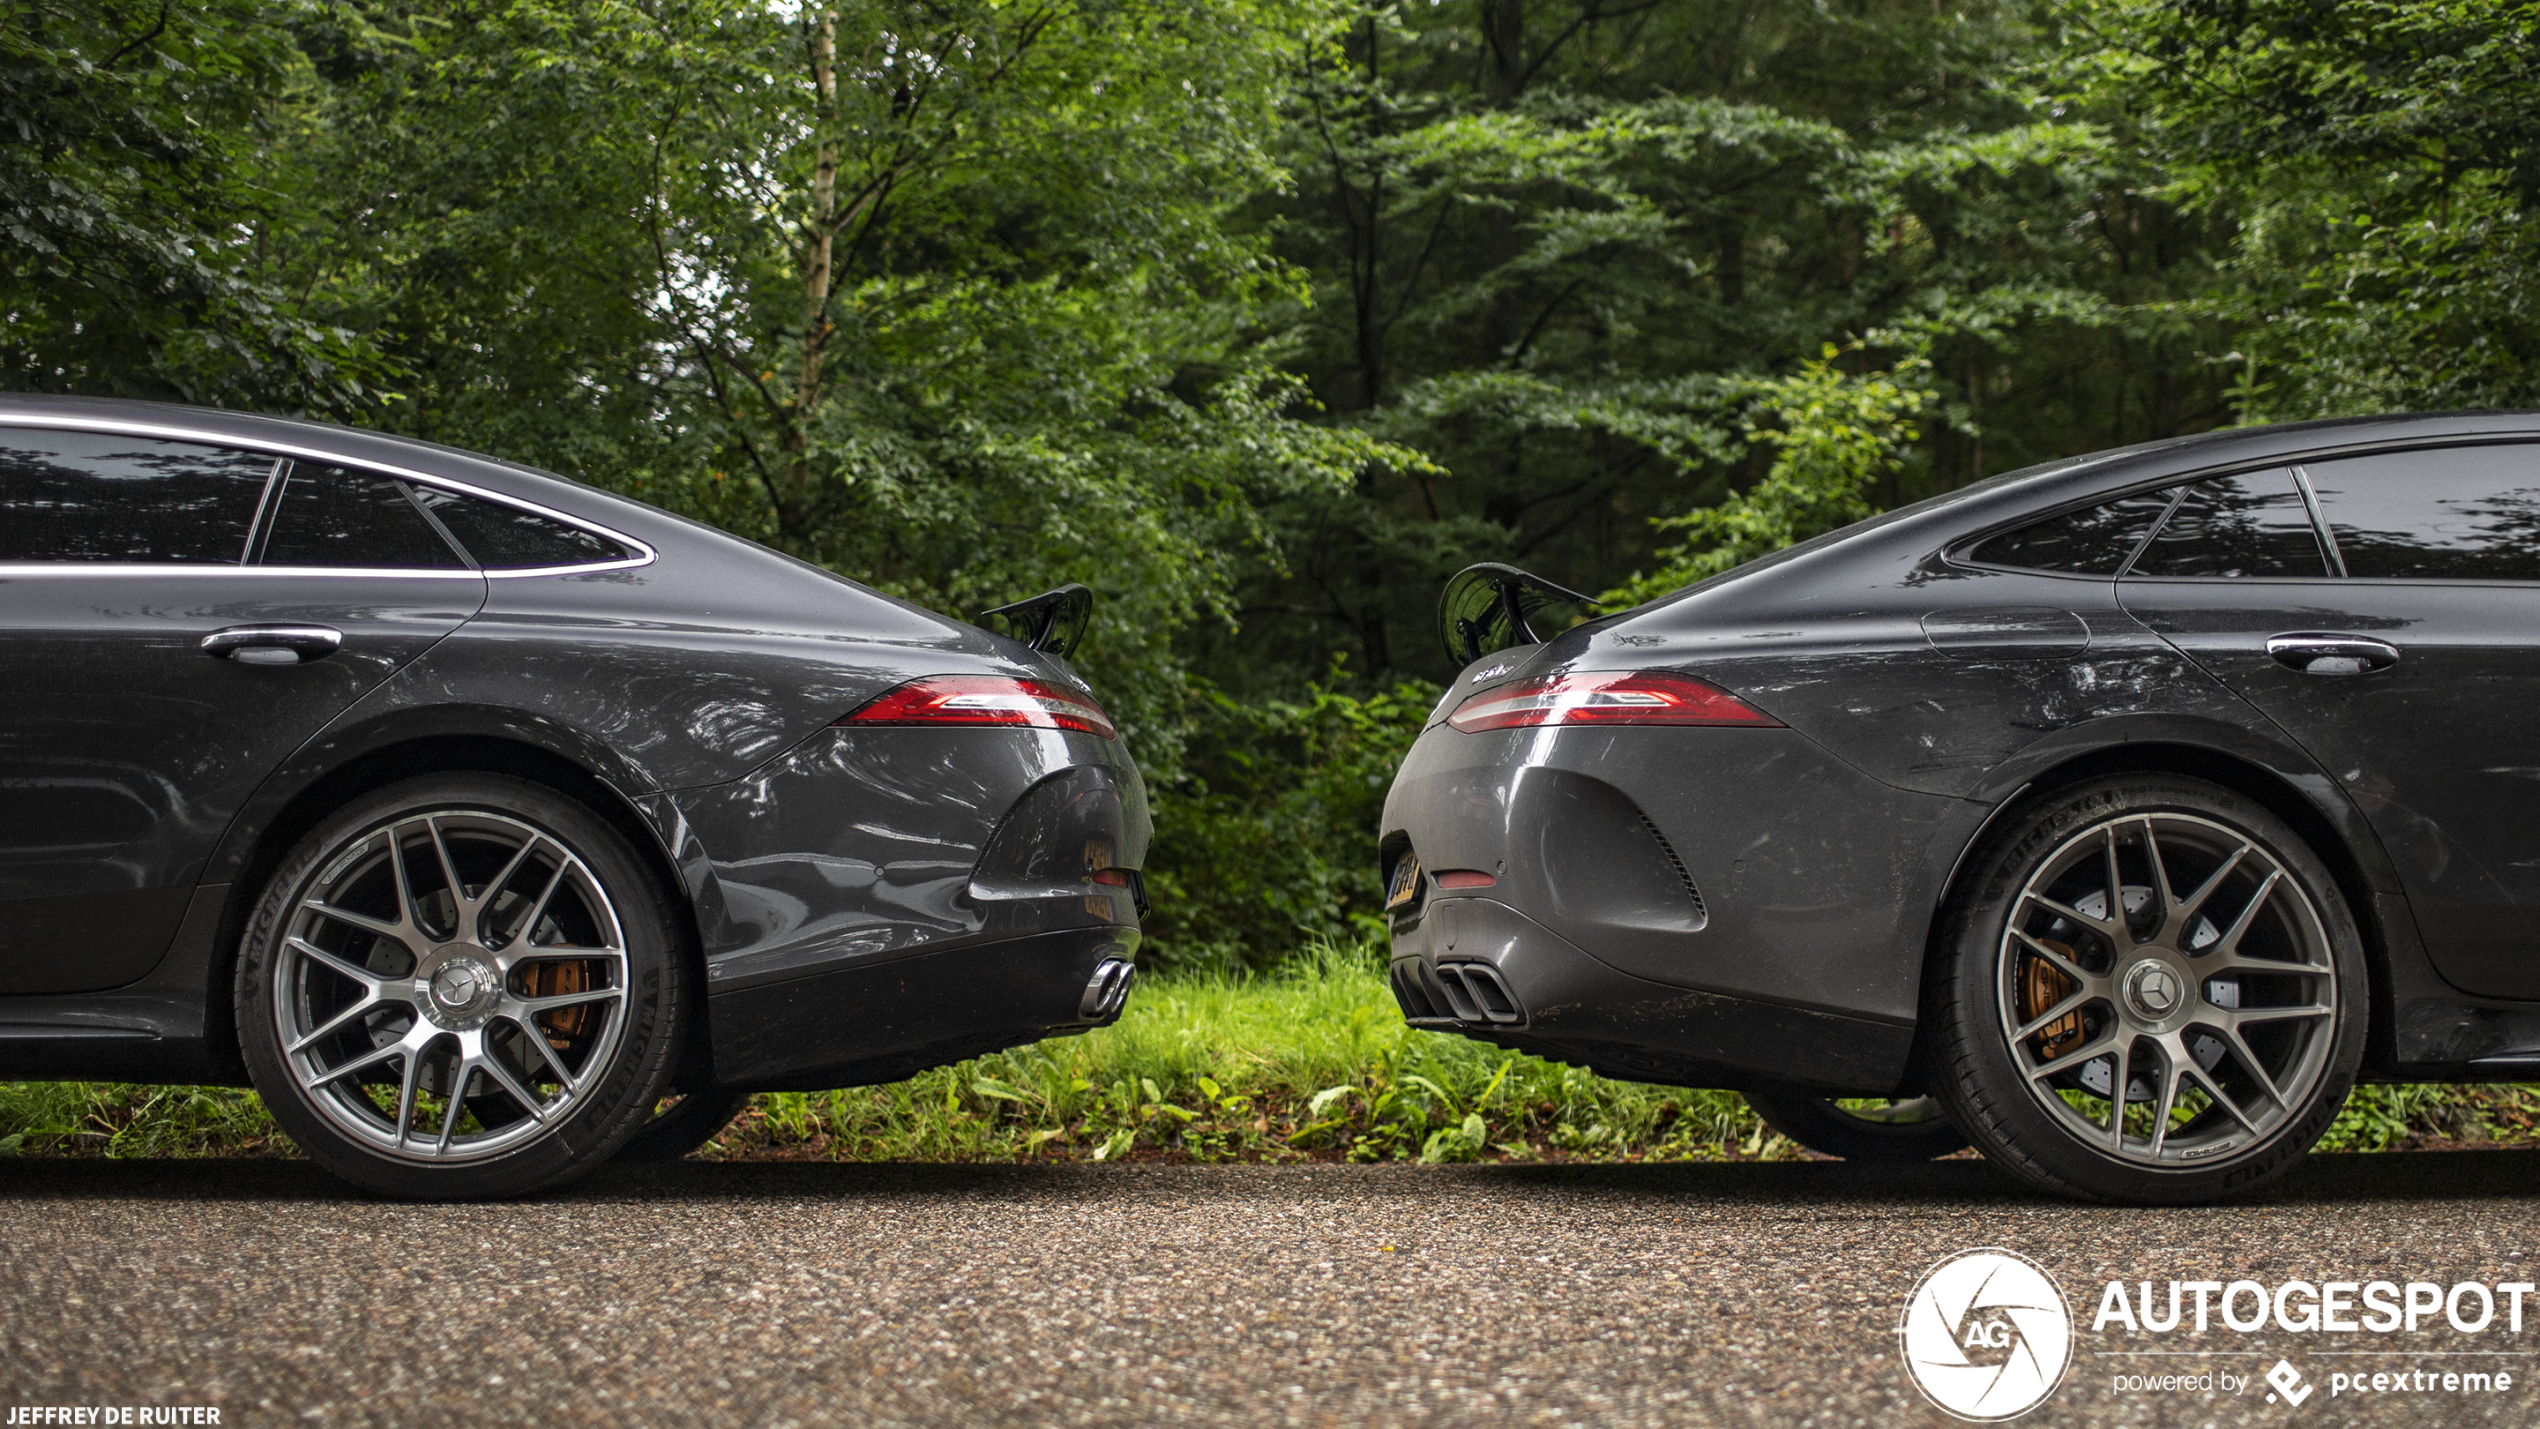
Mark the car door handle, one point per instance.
(273, 644)
(2317, 653)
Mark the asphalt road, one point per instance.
(744, 1295)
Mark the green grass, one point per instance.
(1310, 1062)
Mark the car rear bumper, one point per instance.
(881, 1022)
(1702, 905)
(1481, 968)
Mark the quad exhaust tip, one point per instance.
(1109, 989)
(1462, 992)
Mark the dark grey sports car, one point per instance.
(2114, 815)
(492, 825)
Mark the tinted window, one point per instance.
(508, 538)
(97, 496)
(2251, 525)
(2461, 513)
(335, 516)
(2091, 542)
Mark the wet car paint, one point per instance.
(691, 697)
(1919, 675)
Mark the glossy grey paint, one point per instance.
(125, 751)
(695, 689)
(1921, 691)
(2441, 752)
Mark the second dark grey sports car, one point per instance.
(2115, 815)
(492, 825)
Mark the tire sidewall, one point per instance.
(657, 1006)
(1816, 1123)
(1975, 1072)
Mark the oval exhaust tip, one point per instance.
(1108, 990)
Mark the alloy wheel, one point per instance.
(2167, 990)
(449, 986)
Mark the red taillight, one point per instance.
(1606, 697)
(985, 699)
(1465, 878)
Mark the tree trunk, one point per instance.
(821, 233)
(1503, 48)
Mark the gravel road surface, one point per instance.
(746, 1295)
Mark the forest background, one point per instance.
(1263, 316)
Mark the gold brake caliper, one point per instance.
(2042, 985)
(553, 979)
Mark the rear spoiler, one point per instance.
(1053, 622)
(1486, 608)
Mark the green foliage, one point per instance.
(1312, 1061)
(2378, 167)
(937, 296)
(112, 1119)
(1832, 436)
(2378, 1118)
(1270, 825)
(142, 191)
(1309, 1061)
(1572, 253)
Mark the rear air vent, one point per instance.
(1408, 993)
(1668, 850)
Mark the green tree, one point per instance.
(2377, 164)
(939, 296)
(1832, 437)
(1562, 247)
(142, 195)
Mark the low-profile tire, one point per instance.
(490, 1012)
(683, 1125)
(2148, 990)
(1904, 1129)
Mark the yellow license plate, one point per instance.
(1405, 888)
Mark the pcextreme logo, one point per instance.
(1986, 1335)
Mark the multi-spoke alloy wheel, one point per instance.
(2149, 990)
(2171, 957)
(454, 984)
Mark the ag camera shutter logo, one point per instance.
(1986, 1335)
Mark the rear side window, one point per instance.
(508, 538)
(2252, 525)
(340, 517)
(2094, 541)
(101, 496)
(2455, 513)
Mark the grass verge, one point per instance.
(1310, 1062)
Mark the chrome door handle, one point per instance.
(2318, 653)
(273, 644)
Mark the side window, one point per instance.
(508, 538)
(336, 516)
(2456, 513)
(2094, 541)
(99, 496)
(2255, 524)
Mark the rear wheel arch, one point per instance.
(2267, 788)
(388, 764)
